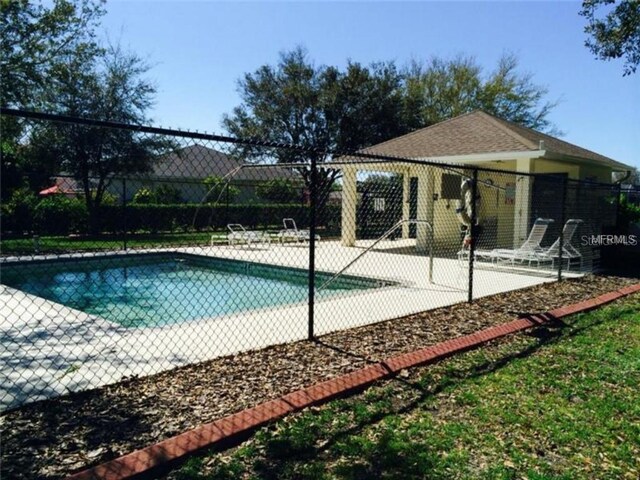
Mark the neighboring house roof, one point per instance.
(198, 161)
(478, 133)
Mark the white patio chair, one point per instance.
(569, 252)
(291, 232)
(238, 234)
(530, 251)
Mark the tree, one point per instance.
(163, 195)
(219, 190)
(11, 172)
(35, 38)
(111, 88)
(144, 196)
(168, 195)
(317, 108)
(279, 190)
(441, 89)
(514, 96)
(364, 104)
(328, 109)
(616, 34)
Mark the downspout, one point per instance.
(626, 177)
(619, 199)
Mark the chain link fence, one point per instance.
(131, 250)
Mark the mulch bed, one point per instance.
(52, 438)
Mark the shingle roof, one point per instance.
(478, 133)
(198, 161)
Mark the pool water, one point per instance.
(154, 290)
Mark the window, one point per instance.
(450, 188)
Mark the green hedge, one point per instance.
(16, 215)
(182, 218)
(60, 216)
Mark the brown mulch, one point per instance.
(52, 438)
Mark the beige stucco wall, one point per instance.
(496, 214)
(576, 171)
(595, 172)
(497, 207)
(495, 210)
(541, 165)
(446, 224)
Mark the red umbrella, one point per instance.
(50, 191)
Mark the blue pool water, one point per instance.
(161, 289)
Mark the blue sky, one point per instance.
(199, 49)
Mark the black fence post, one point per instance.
(618, 208)
(124, 214)
(473, 232)
(312, 245)
(226, 203)
(565, 184)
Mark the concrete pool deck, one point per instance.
(49, 349)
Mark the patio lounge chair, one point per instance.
(238, 234)
(530, 251)
(291, 232)
(569, 252)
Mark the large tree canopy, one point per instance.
(37, 41)
(325, 108)
(112, 88)
(51, 61)
(613, 30)
(318, 108)
(36, 37)
(440, 89)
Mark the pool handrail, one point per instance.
(383, 237)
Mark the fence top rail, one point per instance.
(337, 156)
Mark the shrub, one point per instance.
(144, 196)
(166, 194)
(628, 213)
(186, 217)
(219, 190)
(17, 213)
(279, 190)
(58, 215)
(108, 199)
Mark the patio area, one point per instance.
(52, 350)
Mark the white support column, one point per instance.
(425, 208)
(522, 211)
(349, 205)
(406, 205)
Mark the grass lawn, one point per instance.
(558, 402)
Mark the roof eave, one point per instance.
(487, 157)
(613, 164)
(387, 163)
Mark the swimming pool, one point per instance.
(149, 290)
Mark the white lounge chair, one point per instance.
(530, 251)
(569, 252)
(291, 232)
(238, 234)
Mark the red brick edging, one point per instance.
(241, 423)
